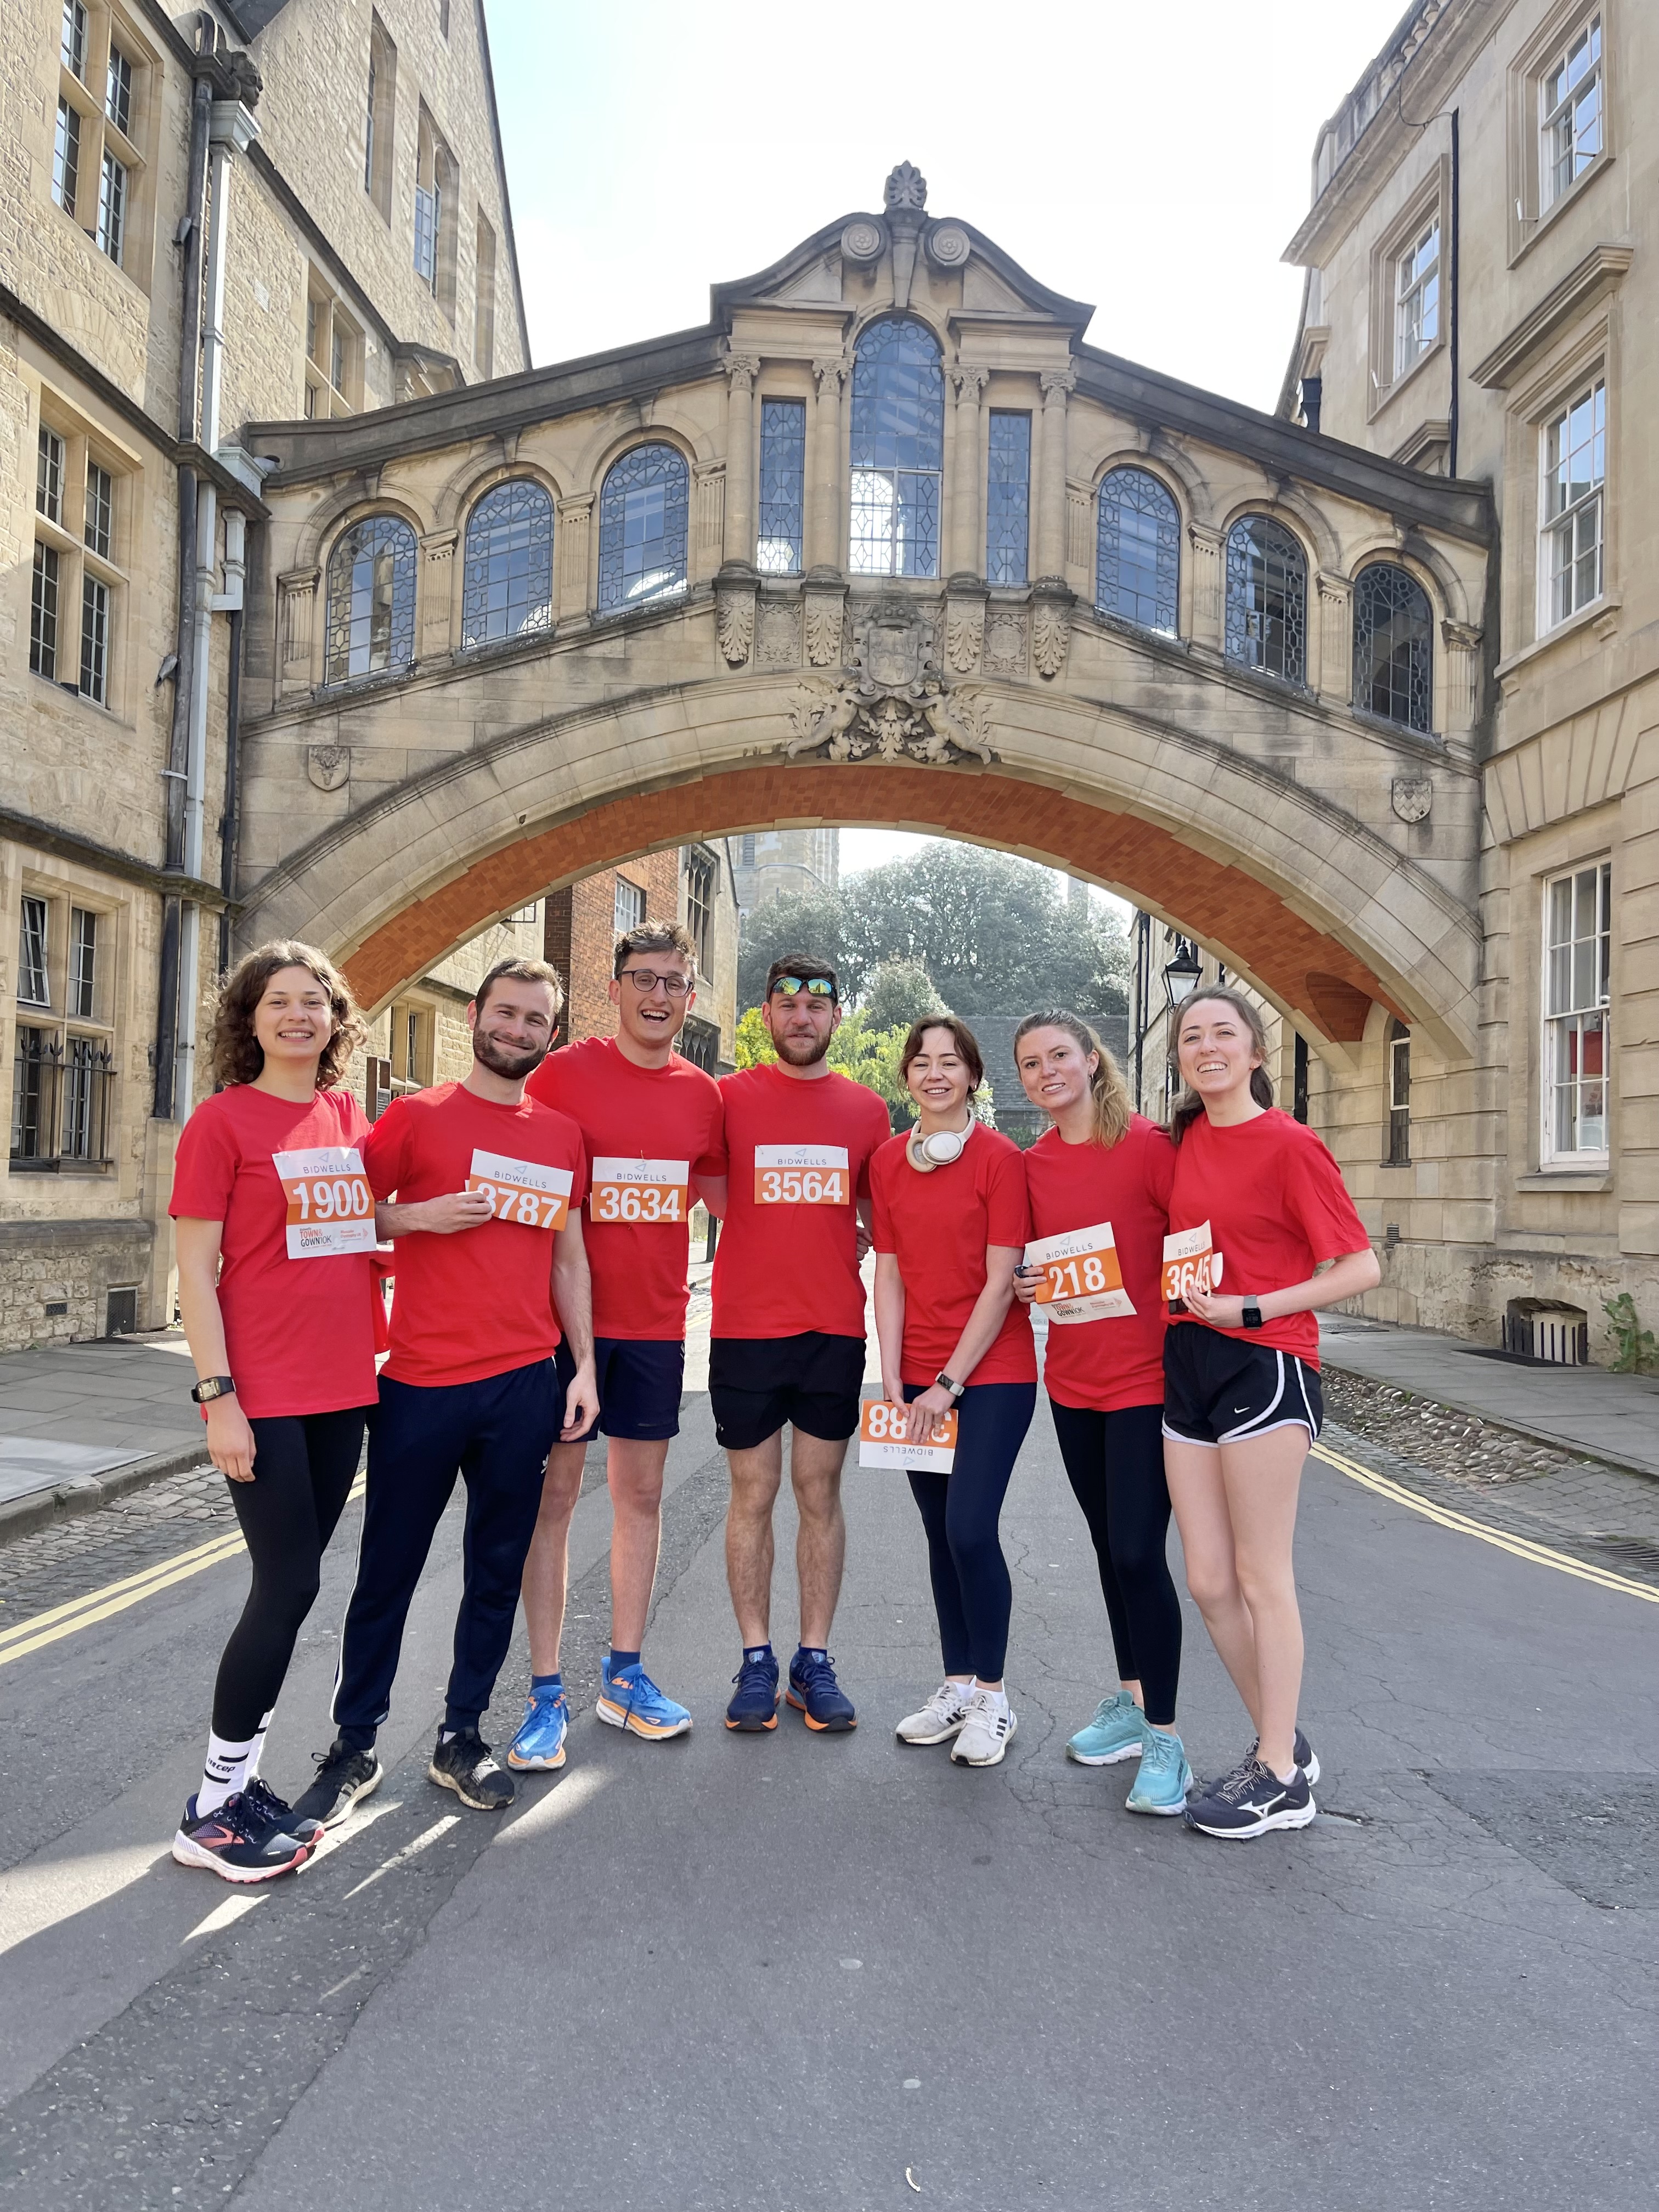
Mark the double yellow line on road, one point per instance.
(1522, 1548)
(97, 1605)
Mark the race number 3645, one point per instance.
(802, 1174)
(1190, 1265)
(525, 1191)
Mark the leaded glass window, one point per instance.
(643, 511)
(782, 487)
(1392, 647)
(1007, 497)
(1138, 551)
(898, 451)
(1267, 599)
(507, 582)
(371, 600)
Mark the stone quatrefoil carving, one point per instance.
(895, 706)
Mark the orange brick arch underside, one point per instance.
(1306, 970)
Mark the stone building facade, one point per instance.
(767, 862)
(209, 215)
(690, 883)
(1482, 254)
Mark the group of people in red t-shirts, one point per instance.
(535, 1216)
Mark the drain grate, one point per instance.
(1600, 1843)
(1638, 1551)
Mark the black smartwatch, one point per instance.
(211, 1387)
(1251, 1316)
(943, 1382)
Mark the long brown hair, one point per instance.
(238, 1055)
(1109, 1103)
(1189, 1105)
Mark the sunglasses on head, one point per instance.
(816, 987)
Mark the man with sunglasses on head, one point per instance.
(787, 1338)
(651, 1122)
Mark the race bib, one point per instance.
(331, 1207)
(1081, 1278)
(882, 1438)
(522, 1190)
(1190, 1265)
(802, 1174)
(641, 1190)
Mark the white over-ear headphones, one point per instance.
(939, 1150)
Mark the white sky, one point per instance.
(1153, 160)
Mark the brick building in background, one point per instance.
(693, 884)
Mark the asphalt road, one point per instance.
(797, 1972)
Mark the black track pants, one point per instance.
(1115, 1464)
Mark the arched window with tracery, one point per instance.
(1392, 647)
(506, 573)
(898, 451)
(371, 600)
(643, 510)
(1138, 551)
(1267, 599)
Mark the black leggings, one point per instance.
(972, 1594)
(1115, 1464)
(303, 1466)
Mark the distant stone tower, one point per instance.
(767, 862)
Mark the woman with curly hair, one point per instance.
(276, 1234)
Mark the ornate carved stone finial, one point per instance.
(906, 187)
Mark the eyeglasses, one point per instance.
(815, 987)
(646, 978)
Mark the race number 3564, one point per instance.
(802, 1174)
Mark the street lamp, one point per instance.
(1181, 973)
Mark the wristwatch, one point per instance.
(211, 1387)
(1251, 1316)
(945, 1382)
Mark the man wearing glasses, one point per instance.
(787, 1338)
(651, 1122)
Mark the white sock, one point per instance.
(257, 1750)
(999, 1698)
(223, 1771)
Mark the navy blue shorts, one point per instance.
(639, 1379)
(1224, 1390)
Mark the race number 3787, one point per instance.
(331, 1207)
(526, 1191)
(1190, 1265)
(802, 1174)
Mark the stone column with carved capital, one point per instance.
(966, 532)
(573, 519)
(297, 607)
(741, 370)
(1206, 584)
(1462, 668)
(1057, 384)
(437, 592)
(1334, 677)
(825, 505)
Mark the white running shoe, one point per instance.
(939, 1719)
(986, 1733)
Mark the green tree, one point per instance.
(857, 1051)
(798, 921)
(901, 992)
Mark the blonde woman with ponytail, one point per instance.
(1098, 1182)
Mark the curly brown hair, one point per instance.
(238, 1055)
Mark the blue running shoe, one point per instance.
(1164, 1778)
(539, 1747)
(816, 1694)
(754, 1706)
(278, 1815)
(631, 1700)
(1117, 1732)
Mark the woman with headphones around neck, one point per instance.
(950, 1229)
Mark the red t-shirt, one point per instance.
(298, 1331)
(937, 1226)
(1277, 1206)
(1103, 1366)
(478, 1302)
(784, 1264)
(631, 1118)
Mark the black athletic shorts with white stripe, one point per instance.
(1220, 1390)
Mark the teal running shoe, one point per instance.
(1117, 1732)
(631, 1700)
(539, 1747)
(1163, 1778)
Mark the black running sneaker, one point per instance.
(1249, 1801)
(816, 1694)
(278, 1815)
(754, 1706)
(235, 1844)
(466, 1764)
(343, 1776)
(1305, 1756)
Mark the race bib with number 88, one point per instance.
(802, 1174)
(641, 1190)
(525, 1191)
(1190, 1265)
(331, 1207)
(883, 1428)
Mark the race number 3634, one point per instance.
(331, 1207)
(802, 1174)
(639, 1190)
(525, 1191)
(1190, 1265)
